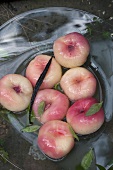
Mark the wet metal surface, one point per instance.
(15, 145)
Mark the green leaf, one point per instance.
(89, 30)
(1, 142)
(3, 155)
(111, 162)
(110, 165)
(58, 87)
(79, 167)
(31, 128)
(96, 19)
(73, 133)
(94, 109)
(32, 118)
(106, 34)
(87, 160)
(41, 107)
(100, 167)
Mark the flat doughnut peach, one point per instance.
(15, 92)
(71, 50)
(82, 124)
(56, 105)
(55, 139)
(36, 67)
(78, 83)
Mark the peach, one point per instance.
(78, 83)
(36, 67)
(56, 105)
(55, 139)
(82, 124)
(71, 50)
(15, 92)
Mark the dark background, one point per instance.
(8, 9)
(17, 147)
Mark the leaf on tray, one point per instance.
(110, 165)
(100, 167)
(73, 133)
(31, 128)
(87, 159)
(94, 109)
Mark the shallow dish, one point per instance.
(32, 33)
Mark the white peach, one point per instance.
(55, 139)
(15, 92)
(71, 50)
(78, 83)
(82, 124)
(56, 105)
(36, 67)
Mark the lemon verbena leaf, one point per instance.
(100, 167)
(41, 107)
(32, 116)
(106, 34)
(73, 133)
(79, 167)
(4, 154)
(31, 128)
(89, 30)
(110, 165)
(58, 87)
(94, 109)
(87, 159)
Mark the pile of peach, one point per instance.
(78, 85)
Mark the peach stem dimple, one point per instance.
(70, 48)
(17, 89)
(81, 111)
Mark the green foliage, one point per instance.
(106, 34)
(3, 155)
(94, 109)
(79, 167)
(89, 29)
(73, 133)
(87, 159)
(110, 165)
(32, 115)
(41, 107)
(1, 142)
(100, 167)
(31, 128)
(58, 87)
